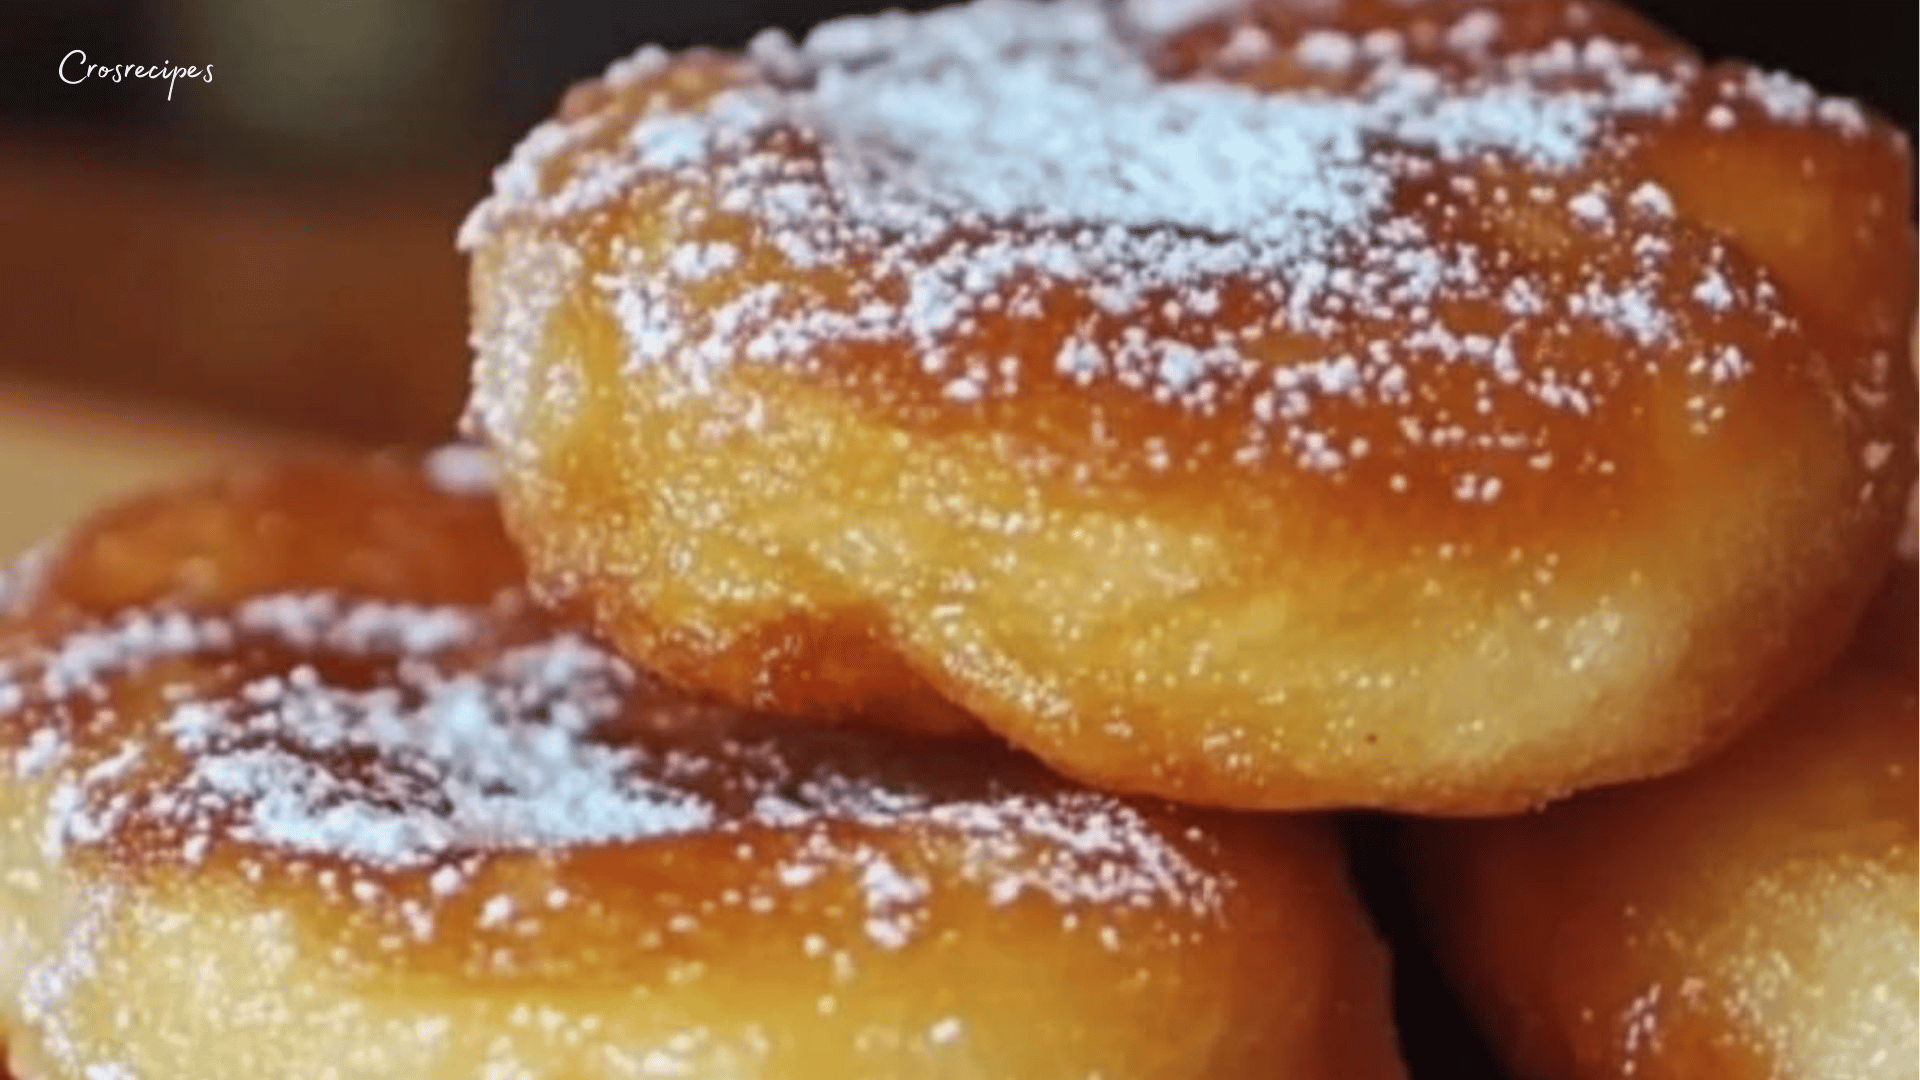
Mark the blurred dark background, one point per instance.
(276, 244)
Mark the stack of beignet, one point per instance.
(302, 784)
(966, 462)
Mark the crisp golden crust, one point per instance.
(1447, 407)
(1754, 919)
(375, 527)
(294, 781)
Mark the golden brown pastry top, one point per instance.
(196, 696)
(1468, 255)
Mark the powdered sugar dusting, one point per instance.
(1071, 847)
(1782, 97)
(962, 165)
(462, 469)
(495, 758)
(1169, 16)
(392, 738)
(45, 996)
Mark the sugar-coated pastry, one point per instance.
(1756, 919)
(296, 782)
(1436, 406)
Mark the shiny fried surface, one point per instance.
(295, 782)
(1753, 919)
(1434, 406)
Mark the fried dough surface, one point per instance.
(1752, 920)
(1433, 406)
(296, 782)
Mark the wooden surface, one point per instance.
(62, 456)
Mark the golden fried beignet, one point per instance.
(1438, 406)
(377, 526)
(1752, 920)
(294, 782)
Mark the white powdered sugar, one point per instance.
(1171, 16)
(20, 578)
(462, 469)
(46, 997)
(424, 740)
(500, 757)
(1042, 114)
(960, 167)
(1073, 847)
(493, 780)
(1782, 97)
